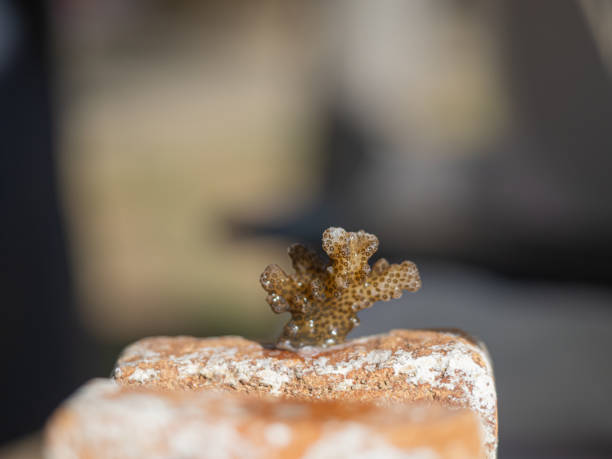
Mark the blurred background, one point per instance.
(156, 155)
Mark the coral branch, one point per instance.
(324, 299)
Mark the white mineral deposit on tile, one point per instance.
(278, 434)
(142, 376)
(151, 417)
(458, 365)
(357, 442)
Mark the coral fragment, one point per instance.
(324, 298)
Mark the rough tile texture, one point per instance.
(448, 367)
(106, 420)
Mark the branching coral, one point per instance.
(324, 298)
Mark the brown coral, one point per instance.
(324, 298)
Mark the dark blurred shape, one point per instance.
(37, 315)
(347, 152)
(546, 193)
